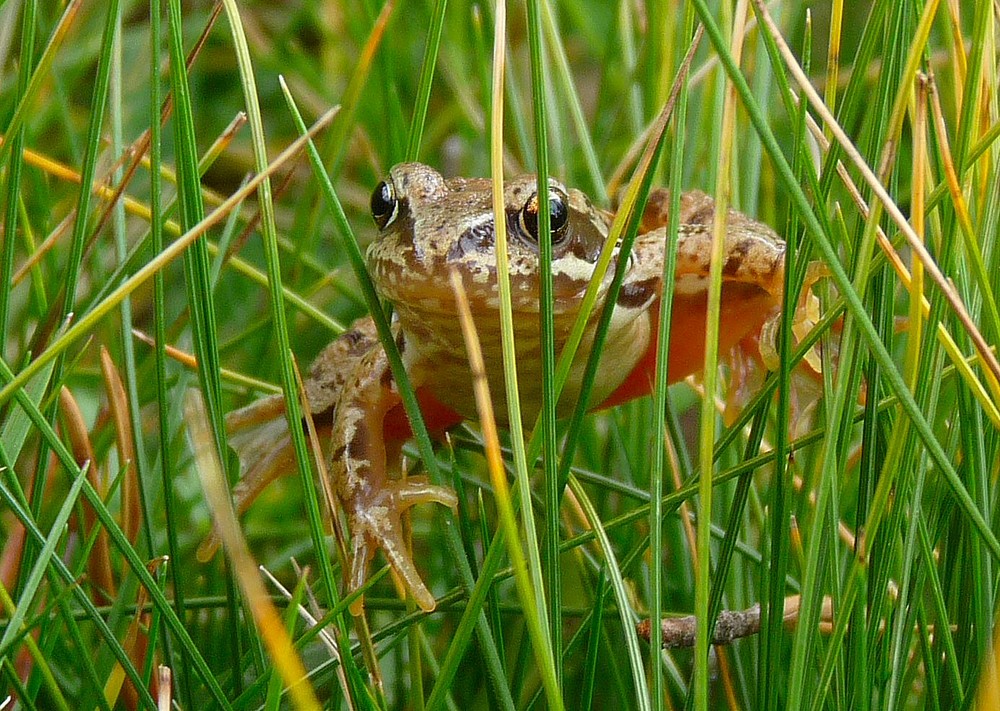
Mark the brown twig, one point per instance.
(729, 626)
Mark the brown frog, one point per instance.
(429, 225)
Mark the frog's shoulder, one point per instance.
(329, 371)
(753, 252)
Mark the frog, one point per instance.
(429, 226)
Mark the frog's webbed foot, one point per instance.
(374, 502)
(757, 354)
(376, 523)
(805, 318)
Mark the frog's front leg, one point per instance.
(360, 462)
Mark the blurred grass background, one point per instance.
(912, 604)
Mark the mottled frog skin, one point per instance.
(429, 225)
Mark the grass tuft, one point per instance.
(169, 223)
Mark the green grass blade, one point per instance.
(423, 99)
(34, 579)
(160, 358)
(15, 164)
(547, 348)
(625, 613)
(593, 646)
(196, 263)
(88, 172)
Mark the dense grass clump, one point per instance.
(183, 215)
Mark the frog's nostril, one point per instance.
(478, 239)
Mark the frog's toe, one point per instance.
(361, 552)
(384, 530)
(418, 490)
(378, 525)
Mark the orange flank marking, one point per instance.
(745, 309)
(438, 418)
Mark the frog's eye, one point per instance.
(558, 216)
(384, 205)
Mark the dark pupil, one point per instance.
(558, 215)
(382, 203)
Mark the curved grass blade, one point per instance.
(423, 98)
(621, 593)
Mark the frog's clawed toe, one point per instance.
(377, 525)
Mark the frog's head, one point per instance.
(429, 225)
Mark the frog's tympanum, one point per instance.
(428, 226)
